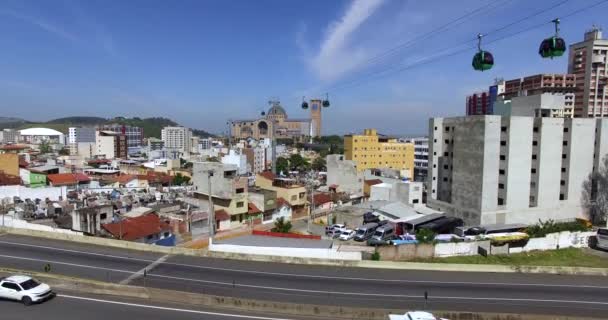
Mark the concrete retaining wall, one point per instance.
(314, 253)
(555, 241)
(456, 249)
(10, 222)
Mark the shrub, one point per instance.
(376, 256)
(425, 236)
(281, 226)
(542, 229)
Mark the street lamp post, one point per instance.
(211, 215)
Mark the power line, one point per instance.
(401, 68)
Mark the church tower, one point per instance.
(315, 117)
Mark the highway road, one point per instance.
(359, 287)
(78, 307)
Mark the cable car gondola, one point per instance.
(482, 60)
(326, 101)
(553, 46)
(304, 103)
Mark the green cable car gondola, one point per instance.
(482, 60)
(326, 101)
(304, 103)
(553, 46)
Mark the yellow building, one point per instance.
(371, 150)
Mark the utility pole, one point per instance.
(211, 215)
(273, 145)
(310, 182)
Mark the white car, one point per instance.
(346, 235)
(414, 315)
(334, 228)
(24, 289)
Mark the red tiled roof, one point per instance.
(372, 182)
(14, 147)
(321, 198)
(125, 178)
(281, 202)
(9, 180)
(268, 175)
(137, 228)
(252, 209)
(221, 215)
(65, 179)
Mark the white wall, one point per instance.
(287, 252)
(10, 222)
(53, 193)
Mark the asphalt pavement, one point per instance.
(358, 287)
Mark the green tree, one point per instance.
(179, 179)
(45, 147)
(319, 164)
(425, 236)
(297, 162)
(280, 225)
(282, 165)
(64, 152)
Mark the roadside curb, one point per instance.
(395, 265)
(154, 295)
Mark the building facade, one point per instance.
(371, 150)
(111, 145)
(285, 127)
(587, 60)
(343, 176)
(178, 138)
(9, 136)
(81, 134)
(494, 170)
(135, 135)
(421, 158)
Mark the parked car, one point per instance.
(334, 227)
(24, 289)
(347, 234)
(370, 217)
(365, 231)
(602, 238)
(414, 315)
(383, 233)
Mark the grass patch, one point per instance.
(569, 257)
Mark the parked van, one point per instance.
(386, 232)
(365, 231)
(602, 238)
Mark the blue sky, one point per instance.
(202, 62)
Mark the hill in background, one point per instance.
(152, 126)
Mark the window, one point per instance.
(240, 204)
(445, 179)
(302, 195)
(533, 170)
(503, 129)
(233, 218)
(415, 201)
(435, 128)
(501, 186)
(503, 143)
(447, 129)
(562, 197)
(564, 156)
(562, 182)
(12, 286)
(565, 143)
(103, 216)
(533, 157)
(445, 154)
(534, 143)
(565, 129)
(563, 169)
(535, 129)
(447, 141)
(434, 153)
(434, 178)
(501, 201)
(433, 190)
(435, 140)
(503, 157)
(240, 190)
(501, 171)
(532, 184)
(532, 199)
(445, 166)
(294, 197)
(434, 166)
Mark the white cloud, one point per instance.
(335, 56)
(51, 28)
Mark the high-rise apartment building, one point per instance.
(135, 135)
(9, 136)
(587, 60)
(480, 103)
(421, 158)
(111, 145)
(81, 134)
(178, 138)
(371, 150)
(493, 169)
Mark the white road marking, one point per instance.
(144, 270)
(137, 305)
(295, 275)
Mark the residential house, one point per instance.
(229, 190)
(148, 229)
(131, 181)
(9, 163)
(90, 219)
(32, 179)
(286, 188)
(283, 210)
(323, 202)
(75, 180)
(367, 185)
(265, 201)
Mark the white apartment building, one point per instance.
(81, 134)
(238, 159)
(421, 157)
(493, 169)
(588, 61)
(9, 136)
(178, 138)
